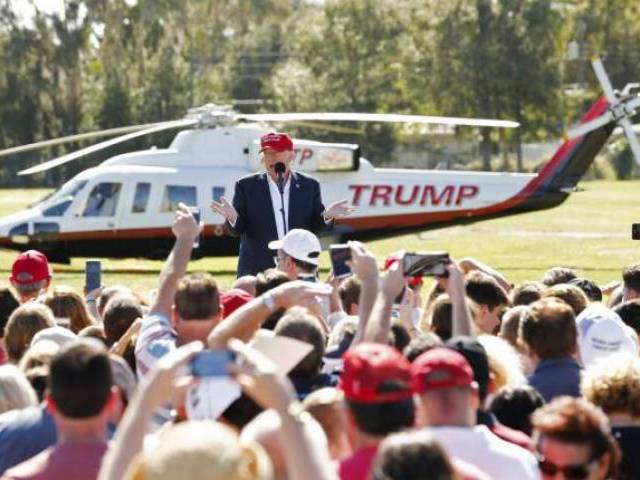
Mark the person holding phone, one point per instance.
(269, 204)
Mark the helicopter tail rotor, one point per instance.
(622, 106)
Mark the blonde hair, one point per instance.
(15, 390)
(614, 384)
(65, 303)
(504, 362)
(570, 294)
(202, 450)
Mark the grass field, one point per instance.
(590, 231)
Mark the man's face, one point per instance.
(271, 157)
(629, 294)
(286, 265)
(570, 461)
(488, 319)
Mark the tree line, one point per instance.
(107, 63)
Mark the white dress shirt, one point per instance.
(277, 204)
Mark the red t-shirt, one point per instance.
(68, 461)
(358, 465)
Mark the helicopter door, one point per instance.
(100, 210)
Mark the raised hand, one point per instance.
(339, 209)
(363, 264)
(393, 280)
(224, 208)
(184, 225)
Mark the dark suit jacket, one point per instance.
(256, 224)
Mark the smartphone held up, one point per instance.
(340, 254)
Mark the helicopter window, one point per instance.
(174, 194)
(21, 229)
(68, 191)
(57, 210)
(141, 198)
(102, 200)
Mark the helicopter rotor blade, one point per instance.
(631, 138)
(328, 128)
(589, 126)
(108, 143)
(377, 117)
(76, 138)
(603, 78)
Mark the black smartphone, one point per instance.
(635, 231)
(212, 363)
(431, 264)
(93, 274)
(340, 254)
(195, 211)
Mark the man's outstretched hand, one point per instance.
(224, 208)
(338, 209)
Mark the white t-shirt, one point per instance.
(501, 460)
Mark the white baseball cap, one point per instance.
(299, 244)
(601, 333)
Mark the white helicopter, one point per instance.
(124, 207)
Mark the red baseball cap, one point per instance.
(367, 366)
(413, 281)
(30, 266)
(232, 300)
(441, 368)
(279, 142)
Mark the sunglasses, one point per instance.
(570, 472)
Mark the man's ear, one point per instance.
(114, 399)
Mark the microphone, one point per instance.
(279, 168)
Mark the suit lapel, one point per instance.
(266, 194)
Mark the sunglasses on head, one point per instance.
(570, 472)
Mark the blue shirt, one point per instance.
(556, 377)
(23, 434)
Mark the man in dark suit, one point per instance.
(266, 206)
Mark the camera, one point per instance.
(427, 264)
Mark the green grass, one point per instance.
(590, 231)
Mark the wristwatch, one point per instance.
(269, 302)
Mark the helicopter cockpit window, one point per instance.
(141, 198)
(67, 192)
(57, 210)
(175, 194)
(103, 200)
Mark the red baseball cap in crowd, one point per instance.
(30, 266)
(413, 281)
(441, 368)
(232, 300)
(278, 142)
(367, 366)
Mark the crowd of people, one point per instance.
(475, 378)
